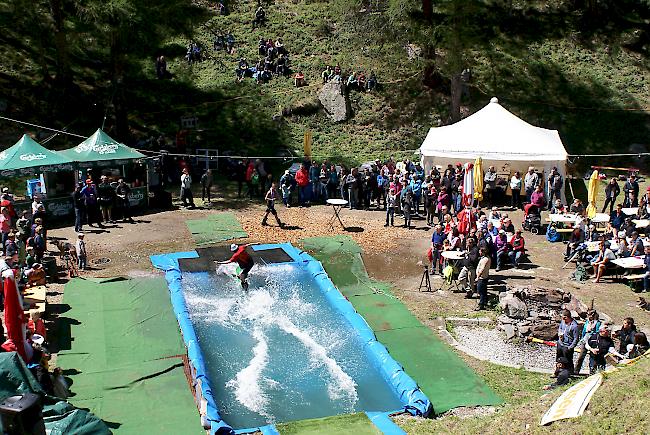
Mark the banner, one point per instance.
(572, 402)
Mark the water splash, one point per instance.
(249, 381)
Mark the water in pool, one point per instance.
(280, 352)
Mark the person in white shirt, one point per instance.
(186, 189)
(531, 181)
(515, 188)
(603, 261)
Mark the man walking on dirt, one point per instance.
(270, 198)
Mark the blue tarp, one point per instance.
(414, 400)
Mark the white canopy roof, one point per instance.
(493, 133)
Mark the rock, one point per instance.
(509, 330)
(514, 307)
(504, 319)
(335, 101)
(545, 331)
(524, 330)
(576, 306)
(534, 313)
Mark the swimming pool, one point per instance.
(291, 348)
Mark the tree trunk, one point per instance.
(119, 98)
(63, 71)
(427, 10)
(456, 94)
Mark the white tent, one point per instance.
(500, 138)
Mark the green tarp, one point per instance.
(99, 150)
(28, 157)
(60, 417)
(357, 424)
(125, 347)
(441, 374)
(215, 228)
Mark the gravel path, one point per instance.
(490, 344)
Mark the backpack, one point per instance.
(552, 235)
(580, 274)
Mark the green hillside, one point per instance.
(579, 66)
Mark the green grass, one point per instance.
(618, 406)
(337, 425)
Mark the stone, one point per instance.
(509, 330)
(545, 331)
(335, 102)
(504, 319)
(524, 330)
(514, 307)
(576, 306)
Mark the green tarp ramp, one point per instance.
(125, 350)
(357, 424)
(60, 417)
(99, 150)
(441, 374)
(215, 228)
(28, 156)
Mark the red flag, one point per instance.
(14, 317)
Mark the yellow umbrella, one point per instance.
(478, 179)
(592, 193)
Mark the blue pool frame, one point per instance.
(414, 401)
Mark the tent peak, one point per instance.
(494, 100)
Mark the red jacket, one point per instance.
(302, 177)
(518, 244)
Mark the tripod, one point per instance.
(425, 282)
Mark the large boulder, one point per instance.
(335, 101)
(576, 306)
(545, 331)
(513, 307)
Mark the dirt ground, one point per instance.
(390, 254)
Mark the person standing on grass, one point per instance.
(206, 186)
(270, 198)
(611, 193)
(482, 276)
(82, 255)
(186, 189)
(568, 336)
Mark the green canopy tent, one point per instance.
(28, 157)
(101, 150)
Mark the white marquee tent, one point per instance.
(497, 136)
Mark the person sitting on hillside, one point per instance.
(299, 79)
(623, 248)
(261, 47)
(221, 8)
(282, 67)
(279, 47)
(508, 226)
(260, 17)
(361, 81)
(35, 275)
(372, 82)
(219, 42)
(352, 81)
(598, 345)
(230, 43)
(592, 235)
(562, 374)
(327, 74)
(242, 69)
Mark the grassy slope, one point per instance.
(618, 406)
(537, 62)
